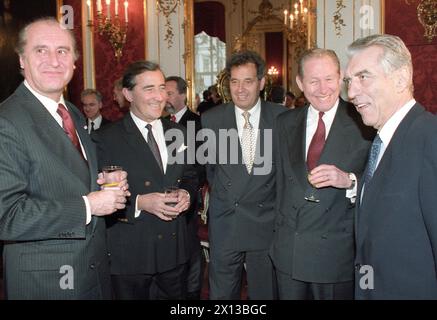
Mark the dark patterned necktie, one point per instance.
(372, 160)
(69, 128)
(154, 146)
(317, 143)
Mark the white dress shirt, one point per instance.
(180, 114)
(313, 120)
(97, 123)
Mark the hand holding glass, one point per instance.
(171, 195)
(112, 179)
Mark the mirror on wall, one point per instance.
(253, 25)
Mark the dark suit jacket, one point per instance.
(147, 244)
(42, 212)
(314, 242)
(397, 220)
(192, 118)
(241, 206)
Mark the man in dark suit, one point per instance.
(49, 209)
(396, 223)
(242, 194)
(92, 104)
(148, 241)
(321, 151)
(177, 96)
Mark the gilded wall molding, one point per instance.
(337, 18)
(167, 8)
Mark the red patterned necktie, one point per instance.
(69, 128)
(317, 143)
(173, 118)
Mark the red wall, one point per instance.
(401, 20)
(107, 68)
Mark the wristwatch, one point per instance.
(353, 179)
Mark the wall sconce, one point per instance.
(115, 28)
(427, 14)
(273, 73)
(296, 21)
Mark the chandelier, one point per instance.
(296, 21)
(114, 28)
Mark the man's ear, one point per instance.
(127, 94)
(402, 79)
(21, 63)
(262, 83)
(299, 83)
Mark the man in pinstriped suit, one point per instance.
(49, 215)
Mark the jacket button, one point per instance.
(174, 234)
(236, 204)
(92, 266)
(260, 205)
(159, 236)
(229, 184)
(147, 183)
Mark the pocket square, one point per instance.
(182, 148)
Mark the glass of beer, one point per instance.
(111, 180)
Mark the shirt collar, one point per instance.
(141, 124)
(180, 113)
(49, 104)
(328, 116)
(389, 128)
(255, 111)
(97, 121)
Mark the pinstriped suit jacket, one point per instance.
(42, 212)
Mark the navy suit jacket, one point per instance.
(314, 242)
(396, 225)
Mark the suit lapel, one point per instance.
(296, 149)
(139, 146)
(385, 169)
(52, 135)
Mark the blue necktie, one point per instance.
(373, 158)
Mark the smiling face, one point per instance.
(245, 86)
(48, 58)
(320, 82)
(370, 89)
(148, 96)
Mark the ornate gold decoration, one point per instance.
(427, 14)
(296, 22)
(223, 86)
(166, 8)
(114, 29)
(188, 56)
(337, 19)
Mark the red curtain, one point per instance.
(209, 16)
(401, 20)
(274, 57)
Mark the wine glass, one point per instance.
(311, 195)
